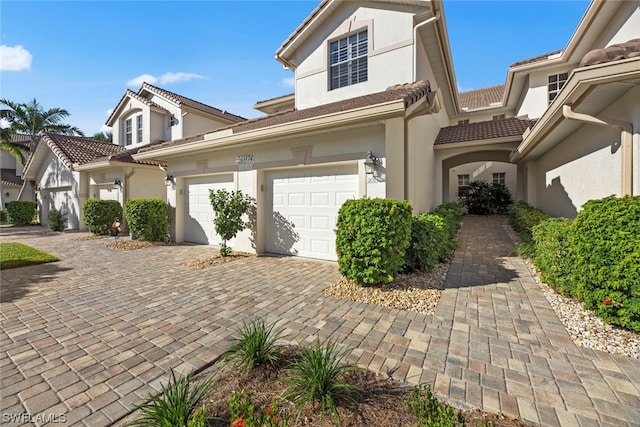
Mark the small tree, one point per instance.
(229, 208)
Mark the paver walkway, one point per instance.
(86, 338)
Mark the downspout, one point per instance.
(626, 142)
(415, 41)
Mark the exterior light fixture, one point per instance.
(169, 180)
(370, 163)
(117, 183)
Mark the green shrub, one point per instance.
(100, 214)
(21, 212)
(452, 213)
(523, 217)
(56, 220)
(176, 405)
(431, 413)
(319, 376)
(431, 242)
(372, 237)
(551, 254)
(3, 216)
(482, 198)
(256, 346)
(229, 208)
(148, 218)
(605, 249)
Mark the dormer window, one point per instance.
(556, 83)
(348, 60)
(128, 132)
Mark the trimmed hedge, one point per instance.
(605, 249)
(550, 254)
(430, 242)
(100, 214)
(372, 237)
(148, 218)
(523, 217)
(21, 212)
(452, 213)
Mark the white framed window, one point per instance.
(498, 117)
(556, 83)
(128, 132)
(463, 122)
(500, 178)
(139, 128)
(463, 180)
(348, 60)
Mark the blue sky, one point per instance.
(83, 55)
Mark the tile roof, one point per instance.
(131, 94)
(304, 23)
(410, 93)
(9, 178)
(490, 129)
(538, 58)
(79, 150)
(481, 98)
(616, 52)
(188, 102)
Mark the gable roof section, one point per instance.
(131, 94)
(183, 101)
(535, 59)
(409, 94)
(480, 98)
(504, 128)
(78, 150)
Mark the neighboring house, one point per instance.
(374, 82)
(11, 173)
(58, 168)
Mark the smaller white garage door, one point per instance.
(304, 206)
(198, 227)
(63, 200)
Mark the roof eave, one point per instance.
(329, 121)
(579, 82)
(477, 142)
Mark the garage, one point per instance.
(198, 227)
(62, 199)
(303, 206)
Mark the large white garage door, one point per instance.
(304, 206)
(198, 227)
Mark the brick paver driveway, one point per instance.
(85, 339)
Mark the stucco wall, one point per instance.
(624, 26)
(390, 34)
(52, 181)
(535, 101)
(194, 124)
(586, 165)
(146, 183)
(482, 171)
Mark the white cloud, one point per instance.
(14, 58)
(109, 112)
(166, 78)
(4, 123)
(289, 81)
(137, 81)
(105, 128)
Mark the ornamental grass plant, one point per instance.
(256, 345)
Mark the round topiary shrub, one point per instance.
(148, 219)
(100, 214)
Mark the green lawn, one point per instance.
(14, 255)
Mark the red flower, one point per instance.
(606, 301)
(268, 411)
(238, 422)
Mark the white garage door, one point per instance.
(63, 201)
(304, 206)
(198, 227)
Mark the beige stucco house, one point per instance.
(376, 113)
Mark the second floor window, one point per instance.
(128, 132)
(556, 83)
(500, 178)
(348, 60)
(139, 129)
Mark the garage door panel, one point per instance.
(305, 203)
(199, 213)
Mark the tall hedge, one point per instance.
(372, 236)
(523, 217)
(430, 242)
(148, 219)
(21, 212)
(605, 249)
(551, 254)
(100, 214)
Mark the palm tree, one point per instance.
(32, 119)
(103, 136)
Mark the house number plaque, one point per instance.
(244, 159)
